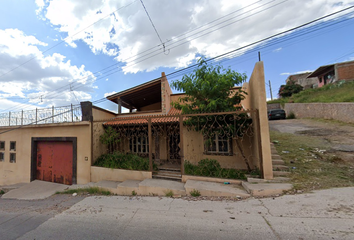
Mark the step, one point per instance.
(277, 162)
(163, 172)
(160, 187)
(172, 169)
(168, 174)
(171, 178)
(280, 173)
(273, 151)
(276, 157)
(266, 189)
(215, 189)
(108, 185)
(127, 187)
(280, 167)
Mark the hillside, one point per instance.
(338, 92)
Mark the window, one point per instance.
(2, 145)
(12, 146)
(2, 157)
(139, 144)
(12, 157)
(219, 145)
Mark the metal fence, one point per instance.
(160, 138)
(71, 113)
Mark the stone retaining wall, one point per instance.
(338, 111)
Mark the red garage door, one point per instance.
(55, 162)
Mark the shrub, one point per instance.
(208, 167)
(211, 168)
(118, 160)
(291, 115)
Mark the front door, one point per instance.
(174, 149)
(55, 162)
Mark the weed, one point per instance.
(134, 193)
(169, 193)
(312, 169)
(88, 190)
(334, 159)
(195, 193)
(291, 115)
(2, 192)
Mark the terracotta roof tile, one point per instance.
(172, 116)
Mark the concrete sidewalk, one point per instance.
(160, 187)
(33, 190)
(153, 187)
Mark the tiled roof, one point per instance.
(172, 116)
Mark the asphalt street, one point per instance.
(325, 214)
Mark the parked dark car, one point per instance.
(276, 114)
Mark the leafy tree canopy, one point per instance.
(289, 89)
(209, 89)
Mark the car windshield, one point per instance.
(277, 111)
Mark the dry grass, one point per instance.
(85, 191)
(312, 166)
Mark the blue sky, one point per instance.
(58, 52)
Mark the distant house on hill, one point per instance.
(303, 80)
(333, 73)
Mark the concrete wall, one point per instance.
(11, 173)
(256, 99)
(193, 144)
(120, 175)
(155, 106)
(338, 111)
(99, 113)
(165, 94)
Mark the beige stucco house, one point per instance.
(64, 151)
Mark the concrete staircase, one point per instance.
(280, 171)
(168, 173)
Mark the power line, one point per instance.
(153, 25)
(265, 39)
(147, 55)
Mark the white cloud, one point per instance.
(110, 93)
(128, 31)
(277, 50)
(293, 73)
(41, 75)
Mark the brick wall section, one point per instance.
(338, 111)
(345, 71)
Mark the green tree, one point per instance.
(289, 89)
(210, 89)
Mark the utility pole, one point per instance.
(270, 89)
